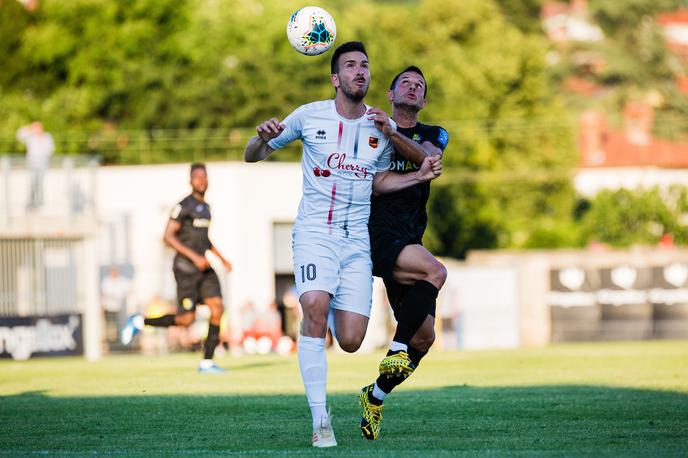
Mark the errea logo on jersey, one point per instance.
(338, 161)
(321, 135)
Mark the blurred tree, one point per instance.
(622, 217)
(524, 14)
(105, 69)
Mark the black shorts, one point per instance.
(193, 286)
(384, 251)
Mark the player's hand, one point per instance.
(269, 129)
(381, 120)
(228, 265)
(201, 263)
(431, 168)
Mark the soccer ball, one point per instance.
(311, 30)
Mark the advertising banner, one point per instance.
(619, 303)
(24, 337)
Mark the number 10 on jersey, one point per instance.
(308, 273)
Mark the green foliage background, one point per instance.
(151, 81)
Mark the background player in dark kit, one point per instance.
(197, 282)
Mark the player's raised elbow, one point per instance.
(249, 156)
(167, 239)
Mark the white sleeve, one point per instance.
(385, 158)
(23, 134)
(293, 127)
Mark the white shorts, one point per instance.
(335, 264)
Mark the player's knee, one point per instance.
(437, 274)
(314, 302)
(216, 309)
(350, 338)
(349, 344)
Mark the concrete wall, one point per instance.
(628, 306)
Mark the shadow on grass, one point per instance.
(456, 420)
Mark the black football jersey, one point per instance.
(404, 211)
(194, 218)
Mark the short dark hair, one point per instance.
(196, 166)
(410, 68)
(344, 48)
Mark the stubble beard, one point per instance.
(355, 95)
(406, 106)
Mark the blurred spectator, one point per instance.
(292, 313)
(269, 324)
(248, 320)
(39, 149)
(29, 5)
(114, 289)
(155, 341)
(667, 241)
(261, 331)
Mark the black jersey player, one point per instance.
(411, 274)
(197, 282)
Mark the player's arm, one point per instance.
(173, 241)
(225, 262)
(257, 147)
(436, 141)
(387, 181)
(403, 145)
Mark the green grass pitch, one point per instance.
(609, 399)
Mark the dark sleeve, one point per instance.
(437, 136)
(179, 212)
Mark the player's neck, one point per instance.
(404, 118)
(199, 197)
(349, 109)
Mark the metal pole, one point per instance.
(68, 168)
(93, 318)
(93, 185)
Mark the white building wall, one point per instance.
(589, 182)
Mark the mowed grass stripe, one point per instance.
(620, 399)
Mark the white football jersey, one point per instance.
(340, 157)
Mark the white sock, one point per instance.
(313, 366)
(378, 393)
(398, 346)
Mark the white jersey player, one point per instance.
(346, 151)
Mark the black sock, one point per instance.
(211, 341)
(387, 384)
(164, 321)
(418, 303)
